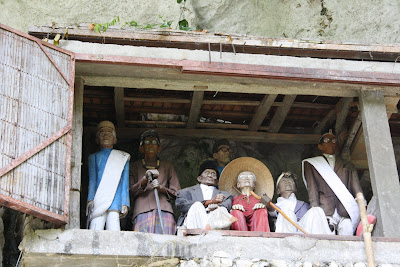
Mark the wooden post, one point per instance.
(381, 161)
(76, 157)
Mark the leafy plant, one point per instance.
(149, 26)
(103, 27)
(184, 25)
(132, 23)
(165, 24)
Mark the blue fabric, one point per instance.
(220, 169)
(97, 163)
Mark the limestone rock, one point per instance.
(190, 263)
(206, 263)
(168, 262)
(279, 263)
(216, 262)
(244, 263)
(226, 262)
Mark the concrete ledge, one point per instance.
(87, 247)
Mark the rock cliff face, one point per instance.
(349, 21)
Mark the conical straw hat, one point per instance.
(264, 180)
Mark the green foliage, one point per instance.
(132, 23)
(184, 25)
(165, 24)
(149, 26)
(103, 27)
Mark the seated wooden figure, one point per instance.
(203, 205)
(288, 203)
(240, 177)
(311, 221)
(332, 185)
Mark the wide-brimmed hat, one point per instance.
(264, 180)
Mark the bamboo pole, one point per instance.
(281, 212)
(276, 208)
(367, 229)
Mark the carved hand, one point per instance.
(212, 207)
(265, 199)
(259, 206)
(238, 207)
(124, 211)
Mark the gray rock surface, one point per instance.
(350, 21)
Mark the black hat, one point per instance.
(149, 133)
(219, 143)
(209, 164)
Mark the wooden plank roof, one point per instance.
(248, 116)
(223, 42)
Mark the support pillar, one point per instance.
(76, 157)
(381, 161)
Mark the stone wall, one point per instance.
(107, 248)
(351, 21)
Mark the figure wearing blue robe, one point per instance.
(97, 163)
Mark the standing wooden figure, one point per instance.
(108, 197)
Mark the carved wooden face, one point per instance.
(150, 148)
(106, 137)
(208, 177)
(246, 179)
(328, 144)
(224, 155)
(286, 184)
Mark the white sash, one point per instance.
(109, 181)
(337, 187)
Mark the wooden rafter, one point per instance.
(281, 113)
(195, 107)
(234, 135)
(262, 111)
(228, 102)
(199, 124)
(326, 121)
(350, 137)
(119, 106)
(358, 149)
(343, 106)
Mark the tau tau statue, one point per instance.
(108, 197)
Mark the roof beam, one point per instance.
(195, 107)
(227, 102)
(119, 106)
(281, 113)
(358, 149)
(343, 106)
(262, 111)
(350, 137)
(327, 120)
(199, 124)
(256, 86)
(234, 135)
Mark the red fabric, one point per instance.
(250, 220)
(371, 220)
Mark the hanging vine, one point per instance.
(183, 24)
